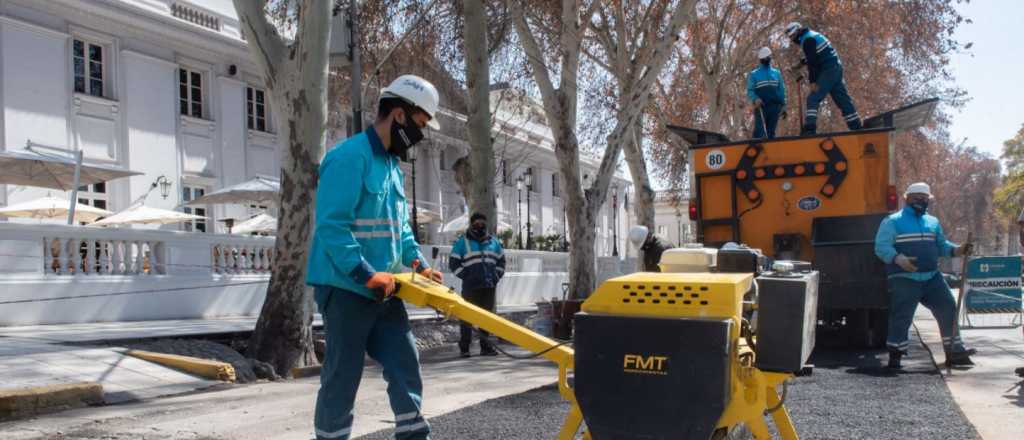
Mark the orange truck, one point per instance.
(816, 198)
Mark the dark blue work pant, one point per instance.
(904, 294)
(766, 119)
(357, 326)
(830, 82)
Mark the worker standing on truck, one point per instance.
(478, 259)
(825, 74)
(767, 92)
(910, 243)
(651, 245)
(362, 236)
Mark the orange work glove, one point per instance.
(434, 275)
(382, 284)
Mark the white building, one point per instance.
(167, 88)
(161, 87)
(672, 220)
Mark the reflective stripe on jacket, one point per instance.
(818, 54)
(920, 237)
(480, 264)
(765, 83)
(362, 217)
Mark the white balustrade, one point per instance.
(60, 250)
(515, 260)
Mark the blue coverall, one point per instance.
(480, 264)
(905, 232)
(765, 83)
(362, 226)
(825, 70)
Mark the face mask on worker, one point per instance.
(403, 137)
(766, 61)
(919, 206)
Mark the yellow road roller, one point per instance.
(667, 355)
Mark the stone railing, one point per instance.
(56, 250)
(83, 254)
(241, 257)
(515, 260)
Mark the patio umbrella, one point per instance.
(34, 168)
(50, 208)
(142, 214)
(260, 223)
(462, 222)
(256, 191)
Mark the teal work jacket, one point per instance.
(362, 217)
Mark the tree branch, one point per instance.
(533, 54)
(265, 43)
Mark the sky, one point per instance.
(992, 73)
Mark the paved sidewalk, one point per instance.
(30, 362)
(284, 410)
(989, 394)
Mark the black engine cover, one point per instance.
(651, 378)
(787, 317)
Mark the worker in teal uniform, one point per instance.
(825, 73)
(362, 237)
(767, 94)
(910, 243)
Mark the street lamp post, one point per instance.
(519, 213)
(679, 226)
(411, 154)
(615, 220)
(529, 189)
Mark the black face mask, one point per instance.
(403, 137)
(920, 206)
(766, 61)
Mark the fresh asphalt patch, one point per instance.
(851, 395)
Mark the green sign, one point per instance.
(993, 285)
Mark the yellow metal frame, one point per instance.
(753, 391)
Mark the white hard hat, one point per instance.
(637, 235)
(792, 28)
(918, 188)
(763, 53)
(416, 91)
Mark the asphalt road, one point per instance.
(850, 396)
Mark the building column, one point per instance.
(429, 188)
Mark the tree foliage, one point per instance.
(893, 53)
(1009, 198)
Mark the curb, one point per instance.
(22, 402)
(204, 368)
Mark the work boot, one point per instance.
(895, 356)
(960, 359)
(808, 130)
(488, 351)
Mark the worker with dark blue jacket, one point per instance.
(478, 259)
(362, 236)
(910, 243)
(767, 92)
(825, 74)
